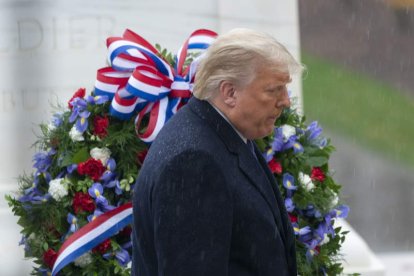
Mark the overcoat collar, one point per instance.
(248, 164)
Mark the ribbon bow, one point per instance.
(140, 81)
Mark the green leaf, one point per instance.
(316, 161)
(45, 246)
(66, 159)
(81, 156)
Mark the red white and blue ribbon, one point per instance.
(92, 234)
(139, 81)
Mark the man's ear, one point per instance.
(227, 92)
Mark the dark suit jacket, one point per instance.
(204, 205)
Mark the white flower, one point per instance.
(325, 240)
(102, 154)
(335, 200)
(51, 127)
(287, 131)
(58, 189)
(75, 135)
(306, 181)
(32, 237)
(83, 260)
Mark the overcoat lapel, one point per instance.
(247, 162)
(252, 169)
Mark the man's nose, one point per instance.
(284, 102)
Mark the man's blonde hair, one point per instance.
(236, 56)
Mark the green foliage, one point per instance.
(321, 194)
(44, 222)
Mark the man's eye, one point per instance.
(280, 88)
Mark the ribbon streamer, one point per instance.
(139, 81)
(92, 234)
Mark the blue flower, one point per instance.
(42, 161)
(57, 119)
(109, 175)
(293, 143)
(268, 155)
(95, 214)
(71, 168)
(341, 211)
(277, 144)
(313, 131)
(301, 231)
(311, 250)
(96, 190)
(313, 135)
(97, 99)
(80, 114)
(289, 182)
(290, 206)
(24, 242)
(122, 256)
(35, 197)
(73, 222)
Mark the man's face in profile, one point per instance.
(260, 103)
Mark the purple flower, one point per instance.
(341, 211)
(71, 168)
(73, 222)
(289, 182)
(268, 154)
(96, 190)
(277, 144)
(96, 214)
(35, 197)
(122, 256)
(321, 230)
(24, 242)
(109, 175)
(111, 165)
(42, 161)
(311, 250)
(57, 119)
(97, 99)
(313, 131)
(293, 143)
(103, 205)
(313, 135)
(290, 206)
(80, 114)
(82, 122)
(301, 231)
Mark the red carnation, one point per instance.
(318, 174)
(49, 257)
(141, 156)
(103, 247)
(78, 94)
(100, 125)
(275, 166)
(92, 168)
(82, 202)
(293, 218)
(126, 231)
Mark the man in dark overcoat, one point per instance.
(205, 202)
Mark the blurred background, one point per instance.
(359, 84)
